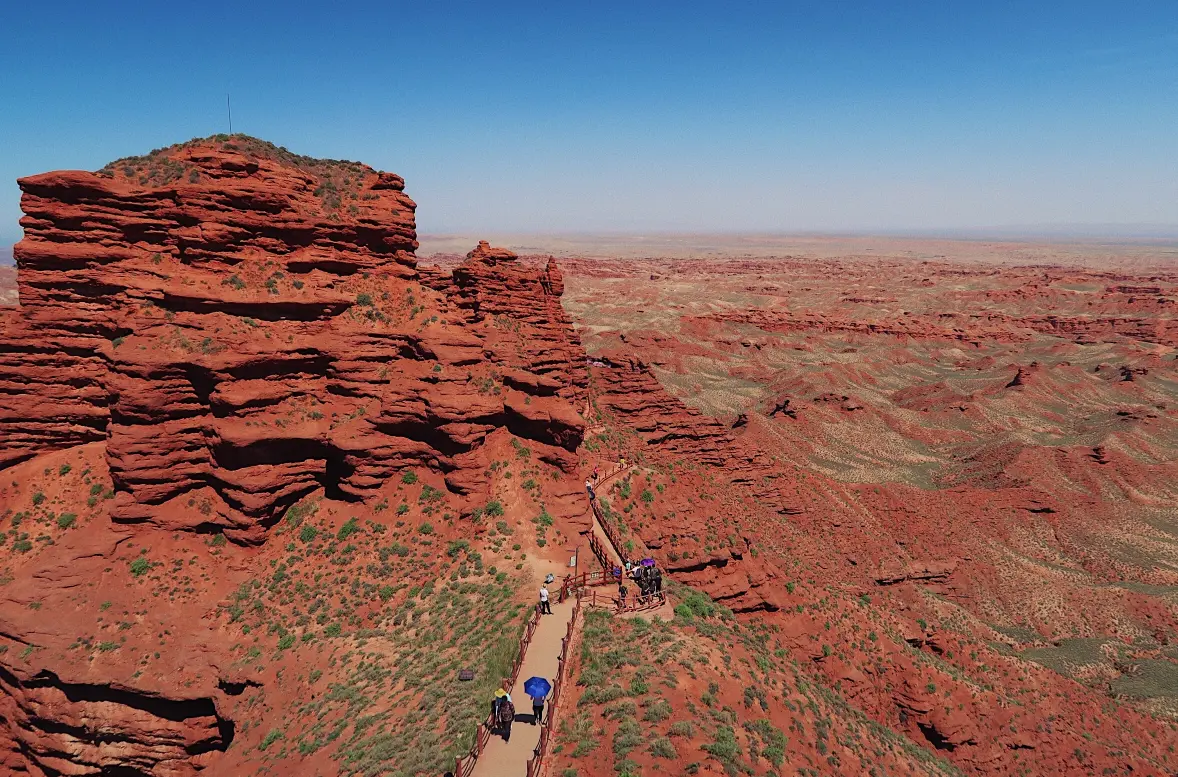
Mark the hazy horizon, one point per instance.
(748, 118)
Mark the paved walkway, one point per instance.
(510, 759)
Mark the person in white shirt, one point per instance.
(545, 607)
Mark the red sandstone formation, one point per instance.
(229, 328)
(232, 335)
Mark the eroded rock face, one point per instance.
(226, 328)
(245, 326)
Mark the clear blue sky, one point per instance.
(633, 116)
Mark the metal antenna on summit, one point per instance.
(230, 109)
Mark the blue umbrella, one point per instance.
(537, 687)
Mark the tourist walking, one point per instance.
(538, 688)
(545, 607)
(505, 716)
(589, 488)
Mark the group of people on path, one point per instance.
(646, 576)
(503, 711)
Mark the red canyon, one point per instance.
(269, 484)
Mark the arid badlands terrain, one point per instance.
(272, 473)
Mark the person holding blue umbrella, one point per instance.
(538, 688)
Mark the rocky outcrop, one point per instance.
(899, 572)
(242, 326)
(670, 430)
(80, 728)
(226, 328)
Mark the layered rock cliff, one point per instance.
(207, 335)
(244, 326)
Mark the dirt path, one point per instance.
(510, 759)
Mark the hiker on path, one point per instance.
(658, 580)
(545, 607)
(596, 475)
(622, 464)
(589, 488)
(505, 717)
(537, 710)
(500, 695)
(622, 595)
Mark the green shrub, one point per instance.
(627, 737)
(725, 748)
(307, 533)
(271, 737)
(286, 642)
(773, 737)
(38, 498)
(140, 566)
(602, 695)
(364, 299)
(64, 469)
(408, 478)
(662, 748)
(657, 711)
(66, 520)
(350, 527)
(494, 508)
(619, 710)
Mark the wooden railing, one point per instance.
(611, 533)
(600, 552)
(464, 764)
(537, 759)
(641, 603)
(575, 585)
(583, 587)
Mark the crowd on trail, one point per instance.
(645, 575)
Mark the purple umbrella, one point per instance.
(648, 562)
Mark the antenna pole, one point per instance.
(230, 108)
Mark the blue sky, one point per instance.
(635, 116)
